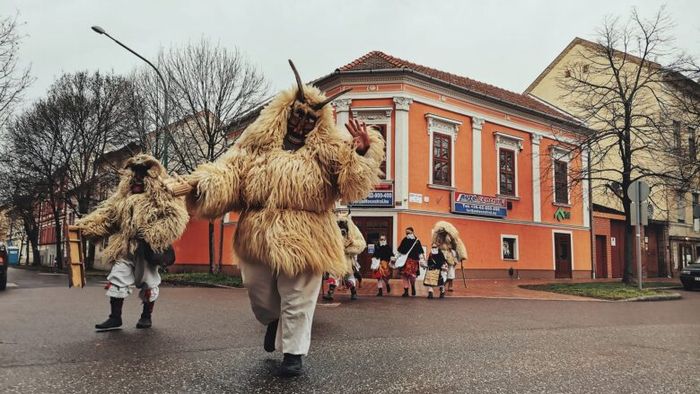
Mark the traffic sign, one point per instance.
(638, 191)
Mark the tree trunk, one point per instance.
(59, 240)
(221, 244)
(211, 247)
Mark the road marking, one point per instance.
(51, 274)
(329, 305)
(10, 284)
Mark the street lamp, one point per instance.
(99, 30)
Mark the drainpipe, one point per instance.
(590, 211)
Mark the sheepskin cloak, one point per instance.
(354, 242)
(446, 237)
(154, 215)
(286, 199)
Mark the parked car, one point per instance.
(4, 261)
(690, 275)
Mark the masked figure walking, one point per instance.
(284, 174)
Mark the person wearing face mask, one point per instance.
(410, 246)
(436, 262)
(384, 254)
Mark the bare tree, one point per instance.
(41, 148)
(209, 86)
(617, 88)
(13, 79)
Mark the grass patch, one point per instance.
(186, 278)
(602, 290)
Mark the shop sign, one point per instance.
(561, 214)
(381, 197)
(476, 204)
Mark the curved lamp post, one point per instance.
(99, 30)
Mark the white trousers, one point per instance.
(291, 299)
(121, 279)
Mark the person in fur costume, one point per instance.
(284, 174)
(354, 245)
(446, 236)
(142, 219)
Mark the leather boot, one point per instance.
(329, 296)
(379, 292)
(115, 315)
(413, 289)
(353, 294)
(270, 336)
(405, 292)
(388, 288)
(145, 320)
(291, 365)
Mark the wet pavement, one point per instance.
(206, 340)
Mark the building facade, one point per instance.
(672, 238)
(491, 162)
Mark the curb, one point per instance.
(660, 297)
(198, 284)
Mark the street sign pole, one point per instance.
(639, 236)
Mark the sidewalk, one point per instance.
(485, 288)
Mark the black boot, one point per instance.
(413, 289)
(442, 293)
(430, 294)
(115, 315)
(405, 292)
(329, 296)
(379, 292)
(270, 336)
(353, 294)
(145, 320)
(291, 365)
(388, 288)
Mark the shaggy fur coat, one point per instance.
(354, 241)
(446, 237)
(286, 199)
(154, 215)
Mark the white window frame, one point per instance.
(516, 252)
(559, 154)
(512, 143)
(449, 127)
(378, 116)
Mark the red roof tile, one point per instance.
(377, 60)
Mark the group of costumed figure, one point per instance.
(284, 175)
(447, 249)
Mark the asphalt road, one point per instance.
(206, 340)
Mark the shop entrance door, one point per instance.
(371, 228)
(562, 255)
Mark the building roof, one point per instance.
(377, 60)
(671, 76)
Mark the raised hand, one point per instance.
(360, 137)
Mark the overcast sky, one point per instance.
(504, 43)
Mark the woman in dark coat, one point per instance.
(384, 254)
(410, 246)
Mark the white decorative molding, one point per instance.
(559, 153)
(402, 103)
(372, 114)
(477, 177)
(342, 104)
(510, 141)
(536, 183)
(442, 125)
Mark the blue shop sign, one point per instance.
(381, 197)
(476, 204)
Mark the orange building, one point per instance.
(492, 162)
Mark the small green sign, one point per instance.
(561, 214)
